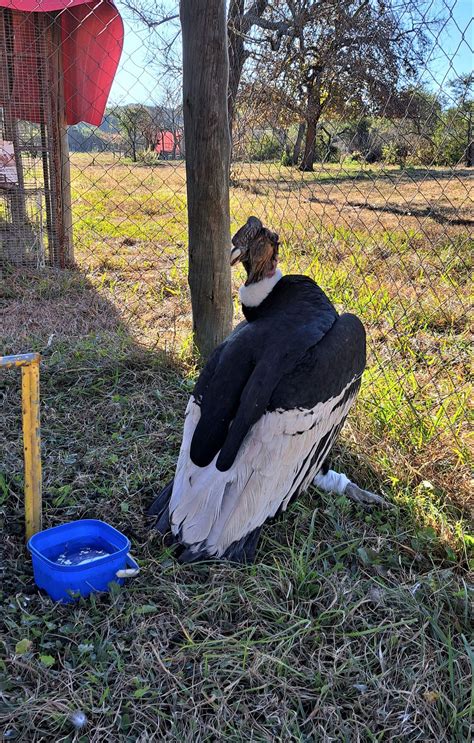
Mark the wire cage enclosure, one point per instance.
(22, 239)
(35, 201)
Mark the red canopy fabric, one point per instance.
(91, 45)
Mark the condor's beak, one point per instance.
(235, 255)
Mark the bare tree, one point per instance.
(160, 18)
(205, 76)
(240, 22)
(172, 117)
(132, 121)
(151, 126)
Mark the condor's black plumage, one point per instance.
(265, 411)
(248, 366)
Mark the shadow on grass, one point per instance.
(432, 212)
(326, 177)
(111, 409)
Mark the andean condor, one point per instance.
(265, 411)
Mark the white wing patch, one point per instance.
(279, 456)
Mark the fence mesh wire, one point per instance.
(379, 213)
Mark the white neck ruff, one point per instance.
(254, 294)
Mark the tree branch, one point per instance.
(147, 20)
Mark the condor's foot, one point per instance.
(364, 497)
(338, 483)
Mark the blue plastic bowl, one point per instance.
(65, 582)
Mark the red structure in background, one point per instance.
(90, 46)
(169, 144)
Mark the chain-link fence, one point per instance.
(352, 138)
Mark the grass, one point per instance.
(352, 625)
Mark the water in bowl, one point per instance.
(78, 552)
(81, 557)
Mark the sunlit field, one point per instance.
(352, 625)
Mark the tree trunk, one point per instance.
(281, 135)
(298, 143)
(309, 155)
(237, 55)
(313, 112)
(470, 140)
(238, 26)
(206, 128)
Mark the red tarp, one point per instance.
(91, 45)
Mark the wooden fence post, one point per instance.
(206, 131)
(29, 364)
(60, 150)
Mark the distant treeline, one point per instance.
(431, 137)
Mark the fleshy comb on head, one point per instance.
(247, 233)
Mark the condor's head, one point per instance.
(257, 249)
